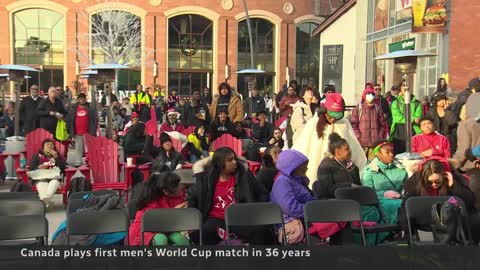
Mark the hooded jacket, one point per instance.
(301, 114)
(235, 108)
(383, 177)
(289, 192)
(435, 141)
(468, 133)
(398, 114)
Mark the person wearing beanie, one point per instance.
(167, 155)
(228, 101)
(290, 191)
(134, 119)
(172, 123)
(368, 122)
(398, 129)
(444, 119)
(328, 119)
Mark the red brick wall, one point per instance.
(464, 59)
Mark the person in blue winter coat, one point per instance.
(290, 191)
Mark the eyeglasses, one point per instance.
(59, 89)
(377, 88)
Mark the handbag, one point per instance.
(45, 174)
(295, 232)
(61, 132)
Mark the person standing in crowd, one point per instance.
(68, 93)
(442, 88)
(429, 142)
(117, 119)
(227, 101)
(391, 96)
(137, 98)
(268, 171)
(444, 119)
(383, 104)
(268, 106)
(28, 110)
(81, 119)
(327, 90)
(398, 129)
(50, 110)
(221, 125)
(198, 144)
(368, 122)
(287, 101)
(425, 105)
(223, 183)
(336, 170)
(173, 99)
(172, 123)
(7, 121)
(328, 119)
(113, 97)
(197, 113)
(458, 106)
(303, 110)
(206, 98)
(254, 104)
(182, 109)
(61, 96)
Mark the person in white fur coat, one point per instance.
(328, 119)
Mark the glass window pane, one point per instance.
(263, 34)
(381, 14)
(307, 55)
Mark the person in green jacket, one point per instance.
(386, 177)
(134, 140)
(397, 130)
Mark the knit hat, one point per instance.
(335, 105)
(164, 138)
(134, 115)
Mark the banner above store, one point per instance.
(408, 44)
(429, 16)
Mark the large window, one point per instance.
(38, 39)
(190, 53)
(263, 34)
(308, 55)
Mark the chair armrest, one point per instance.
(187, 165)
(22, 174)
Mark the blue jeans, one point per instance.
(194, 158)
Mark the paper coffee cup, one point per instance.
(129, 161)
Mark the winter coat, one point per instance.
(166, 127)
(133, 145)
(217, 129)
(435, 141)
(28, 113)
(262, 134)
(315, 148)
(183, 111)
(468, 133)
(446, 125)
(92, 120)
(9, 124)
(331, 175)
(48, 121)
(247, 189)
(398, 114)
(382, 177)
(174, 159)
(191, 117)
(235, 108)
(266, 176)
(289, 192)
(368, 123)
(257, 105)
(135, 229)
(300, 115)
(385, 106)
(196, 145)
(286, 105)
(461, 101)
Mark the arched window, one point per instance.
(263, 34)
(190, 58)
(38, 39)
(307, 55)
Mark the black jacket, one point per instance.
(247, 190)
(9, 124)
(447, 126)
(266, 176)
(192, 119)
(28, 113)
(262, 134)
(92, 120)
(254, 105)
(217, 129)
(183, 114)
(48, 121)
(332, 175)
(461, 100)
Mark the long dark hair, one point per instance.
(226, 86)
(335, 142)
(428, 168)
(45, 142)
(441, 88)
(267, 161)
(154, 188)
(218, 161)
(322, 121)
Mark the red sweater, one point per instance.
(435, 141)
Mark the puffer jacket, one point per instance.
(368, 123)
(398, 114)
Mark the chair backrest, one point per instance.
(152, 125)
(33, 143)
(188, 130)
(96, 222)
(21, 207)
(102, 158)
(80, 194)
(131, 209)
(172, 220)
(177, 145)
(74, 204)
(326, 211)
(18, 196)
(253, 214)
(227, 140)
(24, 227)
(365, 196)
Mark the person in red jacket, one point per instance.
(285, 103)
(162, 190)
(172, 123)
(430, 143)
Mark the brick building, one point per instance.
(185, 44)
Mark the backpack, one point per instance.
(448, 223)
(21, 187)
(79, 184)
(289, 131)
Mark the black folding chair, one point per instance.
(22, 207)
(418, 211)
(131, 209)
(96, 222)
(366, 196)
(14, 228)
(80, 194)
(172, 220)
(73, 205)
(325, 211)
(19, 196)
(253, 214)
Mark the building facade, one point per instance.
(184, 44)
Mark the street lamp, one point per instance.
(406, 63)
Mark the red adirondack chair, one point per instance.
(103, 162)
(188, 130)
(227, 140)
